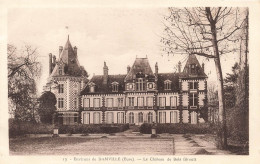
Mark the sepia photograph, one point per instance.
(128, 81)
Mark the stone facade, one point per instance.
(136, 97)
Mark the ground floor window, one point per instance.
(120, 117)
(131, 118)
(174, 117)
(162, 117)
(193, 116)
(68, 118)
(140, 117)
(110, 117)
(86, 118)
(150, 117)
(96, 118)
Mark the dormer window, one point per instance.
(192, 68)
(115, 87)
(167, 85)
(91, 87)
(60, 70)
(140, 84)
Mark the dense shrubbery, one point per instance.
(22, 128)
(178, 128)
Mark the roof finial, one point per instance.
(68, 37)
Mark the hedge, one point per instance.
(22, 128)
(179, 128)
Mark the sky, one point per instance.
(114, 35)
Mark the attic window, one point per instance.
(60, 70)
(91, 87)
(115, 87)
(140, 86)
(167, 85)
(192, 68)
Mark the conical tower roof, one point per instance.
(199, 72)
(69, 59)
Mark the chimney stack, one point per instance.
(105, 72)
(203, 67)
(54, 60)
(156, 69)
(50, 63)
(128, 69)
(75, 50)
(179, 67)
(60, 50)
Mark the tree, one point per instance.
(207, 32)
(47, 107)
(23, 71)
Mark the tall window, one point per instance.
(174, 117)
(96, 102)
(162, 101)
(60, 102)
(109, 102)
(131, 118)
(140, 86)
(193, 117)
(120, 102)
(149, 101)
(150, 117)
(140, 117)
(110, 117)
(173, 101)
(60, 70)
(131, 101)
(75, 102)
(140, 101)
(61, 88)
(193, 99)
(167, 85)
(86, 102)
(96, 117)
(162, 117)
(120, 117)
(114, 87)
(86, 118)
(193, 85)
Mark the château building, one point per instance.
(137, 97)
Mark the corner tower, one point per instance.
(66, 80)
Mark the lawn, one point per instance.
(91, 146)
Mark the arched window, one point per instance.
(131, 117)
(140, 117)
(150, 117)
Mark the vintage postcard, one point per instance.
(146, 82)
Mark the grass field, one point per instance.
(90, 146)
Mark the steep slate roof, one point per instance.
(105, 88)
(192, 60)
(173, 77)
(140, 65)
(70, 60)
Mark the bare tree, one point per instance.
(207, 32)
(23, 71)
